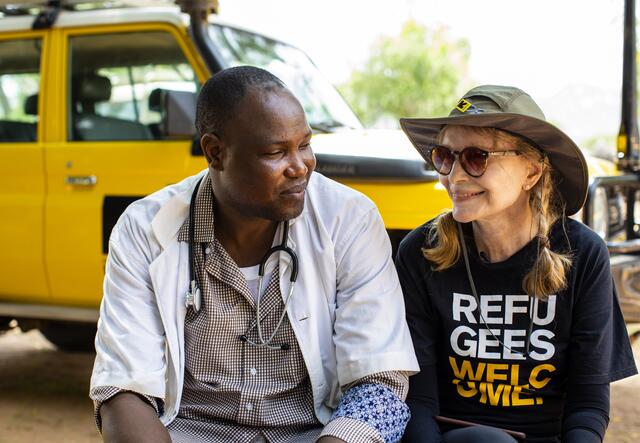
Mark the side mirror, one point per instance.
(178, 109)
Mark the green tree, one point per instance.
(414, 74)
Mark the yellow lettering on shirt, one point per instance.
(465, 369)
(516, 400)
(492, 375)
(515, 375)
(466, 393)
(506, 395)
(533, 377)
(499, 384)
(494, 392)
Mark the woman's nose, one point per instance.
(457, 171)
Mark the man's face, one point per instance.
(266, 157)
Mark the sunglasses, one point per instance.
(473, 160)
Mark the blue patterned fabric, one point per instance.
(378, 407)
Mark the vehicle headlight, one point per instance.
(600, 213)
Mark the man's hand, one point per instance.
(126, 418)
(329, 439)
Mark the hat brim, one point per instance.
(567, 161)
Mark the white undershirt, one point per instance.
(251, 275)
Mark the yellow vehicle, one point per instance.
(97, 102)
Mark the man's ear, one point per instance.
(213, 149)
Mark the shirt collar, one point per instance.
(203, 211)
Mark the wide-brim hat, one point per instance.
(512, 110)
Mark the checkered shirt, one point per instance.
(233, 390)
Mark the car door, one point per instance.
(22, 184)
(113, 149)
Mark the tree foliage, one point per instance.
(414, 74)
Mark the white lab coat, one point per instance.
(347, 311)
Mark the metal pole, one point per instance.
(628, 152)
(198, 11)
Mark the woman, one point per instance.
(510, 303)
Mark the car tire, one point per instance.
(70, 336)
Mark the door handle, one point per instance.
(81, 180)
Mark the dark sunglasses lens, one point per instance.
(474, 161)
(442, 159)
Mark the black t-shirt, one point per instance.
(578, 335)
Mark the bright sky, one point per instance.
(566, 53)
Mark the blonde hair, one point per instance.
(548, 275)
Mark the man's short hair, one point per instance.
(221, 94)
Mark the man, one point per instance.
(327, 363)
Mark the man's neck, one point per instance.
(246, 240)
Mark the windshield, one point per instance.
(325, 108)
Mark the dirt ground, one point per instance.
(43, 395)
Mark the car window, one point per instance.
(19, 86)
(324, 106)
(114, 83)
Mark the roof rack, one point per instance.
(35, 7)
(46, 11)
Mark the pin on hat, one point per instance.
(511, 109)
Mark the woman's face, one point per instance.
(501, 193)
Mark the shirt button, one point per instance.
(207, 251)
(248, 406)
(253, 371)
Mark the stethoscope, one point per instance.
(193, 298)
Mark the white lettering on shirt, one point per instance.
(466, 309)
(538, 342)
(511, 307)
(514, 349)
(551, 311)
(469, 345)
(487, 307)
(502, 310)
